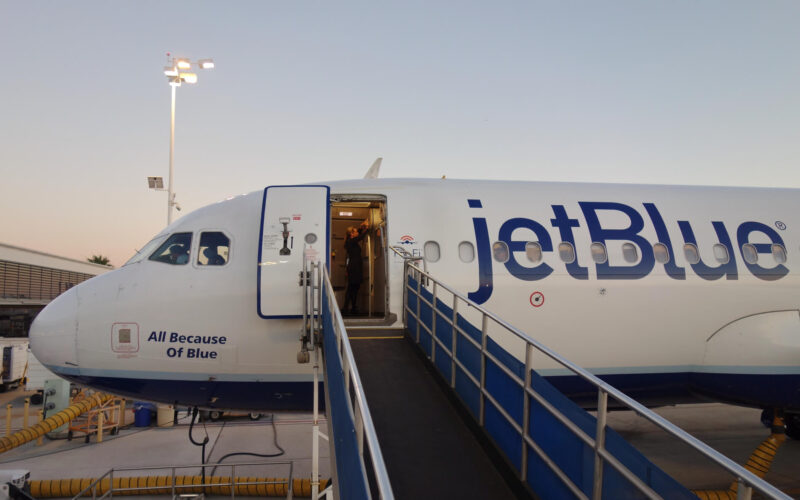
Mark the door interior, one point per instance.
(372, 302)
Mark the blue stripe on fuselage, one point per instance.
(281, 395)
(761, 390)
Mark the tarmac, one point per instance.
(734, 431)
(289, 440)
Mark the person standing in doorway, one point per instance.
(355, 265)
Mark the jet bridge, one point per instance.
(441, 409)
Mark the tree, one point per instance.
(99, 259)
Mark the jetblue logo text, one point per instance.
(564, 225)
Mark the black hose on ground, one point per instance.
(203, 444)
(251, 454)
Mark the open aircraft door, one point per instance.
(294, 223)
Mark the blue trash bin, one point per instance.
(143, 414)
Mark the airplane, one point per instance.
(673, 294)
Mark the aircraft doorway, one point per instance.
(372, 299)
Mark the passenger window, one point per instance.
(691, 253)
(175, 250)
(214, 249)
(661, 252)
(629, 253)
(566, 251)
(599, 253)
(533, 250)
(466, 252)
(500, 251)
(721, 253)
(749, 253)
(432, 253)
(779, 253)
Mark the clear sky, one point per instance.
(678, 92)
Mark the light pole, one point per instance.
(178, 72)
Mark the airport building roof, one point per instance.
(21, 255)
(31, 277)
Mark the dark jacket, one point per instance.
(355, 264)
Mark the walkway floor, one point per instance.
(429, 450)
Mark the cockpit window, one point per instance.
(175, 250)
(214, 249)
(146, 250)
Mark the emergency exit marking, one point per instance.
(537, 299)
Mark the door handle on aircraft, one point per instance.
(285, 250)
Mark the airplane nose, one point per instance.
(53, 334)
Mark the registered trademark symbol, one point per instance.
(780, 225)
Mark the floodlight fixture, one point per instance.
(184, 64)
(188, 77)
(206, 63)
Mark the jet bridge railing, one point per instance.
(360, 473)
(425, 312)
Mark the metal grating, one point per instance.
(25, 281)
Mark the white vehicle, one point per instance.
(15, 361)
(670, 293)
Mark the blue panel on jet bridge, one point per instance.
(352, 483)
(570, 453)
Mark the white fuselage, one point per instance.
(726, 330)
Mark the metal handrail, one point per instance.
(174, 487)
(364, 427)
(402, 252)
(407, 257)
(746, 479)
